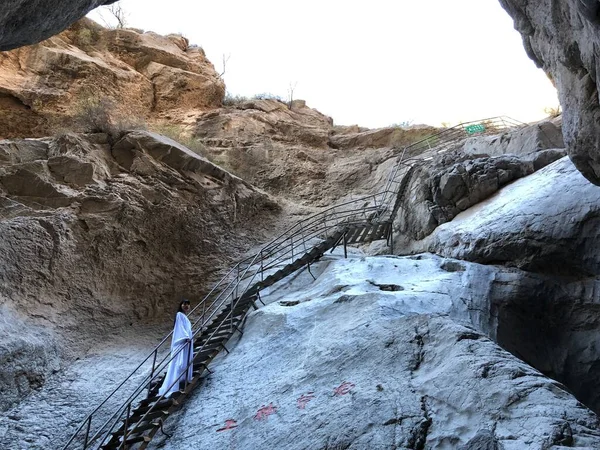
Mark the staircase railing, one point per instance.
(295, 241)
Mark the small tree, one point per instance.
(291, 89)
(93, 115)
(225, 60)
(119, 14)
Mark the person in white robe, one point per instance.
(182, 352)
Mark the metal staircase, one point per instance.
(134, 412)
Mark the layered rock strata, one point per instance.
(131, 76)
(98, 237)
(298, 152)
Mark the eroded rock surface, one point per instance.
(299, 153)
(444, 183)
(95, 238)
(546, 222)
(562, 38)
(134, 76)
(339, 363)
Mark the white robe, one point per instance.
(182, 334)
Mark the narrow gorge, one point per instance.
(406, 287)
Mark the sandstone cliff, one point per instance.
(89, 78)
(139, 77)
(97, 238)
(298, 152)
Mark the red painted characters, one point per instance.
(265, 411)
(304, 399)
(230, 424)
(343, 388)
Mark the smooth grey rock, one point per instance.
(544, 157)
(48, 415)
(547, 222)
(452, 182)
(521, 141)
(24, 22)
(339, 363)
(372, 366)
(561, 36)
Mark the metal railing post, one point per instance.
(302, 236)
(231, 314)
(237, 284)
(87, 432)
(190, 346)
(262, 270)
(152, 371)
(126, 426)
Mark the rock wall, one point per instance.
(299, 153)
(345, 362)
(545, 223)
(444, 183)
(96, 237)
(132, 76)
(561, 36)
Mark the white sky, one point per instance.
(370, 63)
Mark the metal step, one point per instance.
(127, 443)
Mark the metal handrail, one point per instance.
(277, 251)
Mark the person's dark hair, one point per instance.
(180, 309)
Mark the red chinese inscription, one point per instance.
(230, 424)
(304, 399)
(265, 411)
(343, 388)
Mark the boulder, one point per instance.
(20, 151)
(136, 144)
(546, 222)
(444, 186)
(522, 141)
